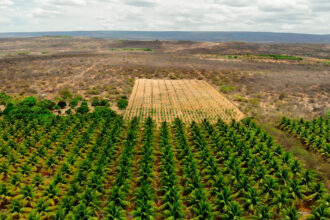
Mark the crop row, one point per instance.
(313, 134)
(94, 167)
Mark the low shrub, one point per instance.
(122, 103)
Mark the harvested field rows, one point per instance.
(190, 100)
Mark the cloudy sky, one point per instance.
(300, 16)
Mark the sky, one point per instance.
(290, 16)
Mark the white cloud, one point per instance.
(6, 2)
(308, 16)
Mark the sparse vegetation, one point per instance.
(65, 94)
(280, 57)
(227, 89)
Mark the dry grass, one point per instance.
(190, 100)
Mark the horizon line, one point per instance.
(12, 32)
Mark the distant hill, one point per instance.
(264, 37)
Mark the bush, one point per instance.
(95, 102)
(62, 104)
(122, 103)
(74, 102)
(4, 98)
(227, 89)
(68, 112)
(46, 104)
(100, 102)
(8, 109)
(83, 109)
(30, 101)
(65, 94)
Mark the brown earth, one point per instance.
(107, 68)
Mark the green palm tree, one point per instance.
(252, 201)
(27, 192)
(118, 197)
(295, 191)
(4, 169)
(59, 214)
(202, 210)
(52, 192)
(114, 212)
(234, 212)
(16, 208)
(90, 199)
(34, 216)
(5, 194)
(291, 214)
(263, 214)
(37, 180)
(281, 200)
(42, 206)
(82, 213)
(224, 199)
(322, 212)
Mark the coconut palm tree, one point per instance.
(16, 208)
(234, 212)
(291, 214)
(322, 212)
(281, 200)
(28, 194)
(224, 199)
(114, 212)
(252, 201)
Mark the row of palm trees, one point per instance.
(144, 193)
(194, 194)
(313, 134)
(172, 207)
(118, 193)
(225, 205)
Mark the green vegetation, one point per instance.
(23, 53)
(227, 89)
(122, 103)
(96, 166)
(61, 104)
(131, 49)
(74, 102)
(100, 102)
(280, 57)
(313, 134)
(83, 109)
(65, 94)
(4, 98)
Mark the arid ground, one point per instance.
(259, 86)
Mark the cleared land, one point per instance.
(190, 100)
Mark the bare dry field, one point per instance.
(189, 100)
